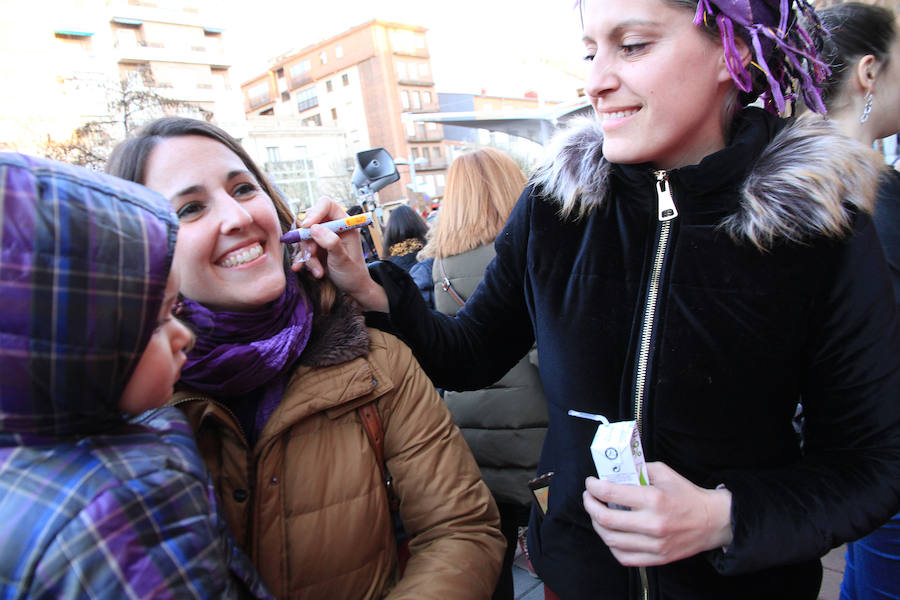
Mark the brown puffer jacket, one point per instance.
(308, 503)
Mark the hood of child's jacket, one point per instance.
(85, 260)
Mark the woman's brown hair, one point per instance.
(482, 188)
(129, 161)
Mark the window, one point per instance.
(219, 79)
(402, 41)
(328, 86)
(426, 98)
(307, 99)
(259, 92)
(285, 96)
(126, 37)
(416, 100)
(441, 180)
(431, 126)
(423, 70)
(404, 99)
(279, 73)
(323, 57)
(300, 68)
(401, 70)
(410, 129)
(313, 121)
(339, 52)
(415, 153)
(273, 154)
(297, 180)
(345, 79)
(426, 154)
(437, 151)
(354, 136)
(334, 114)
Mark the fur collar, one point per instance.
(807, 182)
(337, 337)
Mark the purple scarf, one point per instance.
(237, 353)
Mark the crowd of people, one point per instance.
(191, 408)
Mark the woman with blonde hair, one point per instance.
(505, 422)
(482, 188)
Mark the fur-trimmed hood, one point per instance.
(806, 183)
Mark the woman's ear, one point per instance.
(743, 51)
(863, 75)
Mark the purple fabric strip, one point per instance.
(782, 49)
(236, 353)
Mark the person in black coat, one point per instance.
(404, 235)
(698, 268)
(862, 96)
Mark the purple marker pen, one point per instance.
(338, 226)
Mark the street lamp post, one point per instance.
(412, 170)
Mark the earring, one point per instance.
(867, 108)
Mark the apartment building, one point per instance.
(304, 161)
(68, 56)
(362, 81)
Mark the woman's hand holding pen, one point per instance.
(338, 256)
(669, 520)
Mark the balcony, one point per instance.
(254, 103)
(158, 52)
(416, 82)
(295, 82)
(434, 135)
(420, 52)
(433, 164)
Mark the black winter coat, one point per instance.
(768, 288)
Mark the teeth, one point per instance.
(618, 115)
(242, 256)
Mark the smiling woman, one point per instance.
(229, 253)
(284, 387)
(698, 266)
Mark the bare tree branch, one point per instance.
(131, 101)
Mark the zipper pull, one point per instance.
(664, 202)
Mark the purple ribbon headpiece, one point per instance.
(771, 29)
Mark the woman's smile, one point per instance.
(241, 256)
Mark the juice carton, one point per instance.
(618, 454)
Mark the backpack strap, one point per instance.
(374, 429)
(447, 286)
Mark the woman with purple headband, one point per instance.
(698, 266)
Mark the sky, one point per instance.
(495, 45)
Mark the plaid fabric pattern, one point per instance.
(92, 506)
(125, 515)
(85, 259)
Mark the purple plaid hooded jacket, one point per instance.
(92, 505)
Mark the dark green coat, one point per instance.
(504, 423)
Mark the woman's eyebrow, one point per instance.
(192, 189)
(624, 25)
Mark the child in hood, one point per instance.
(98, 498)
